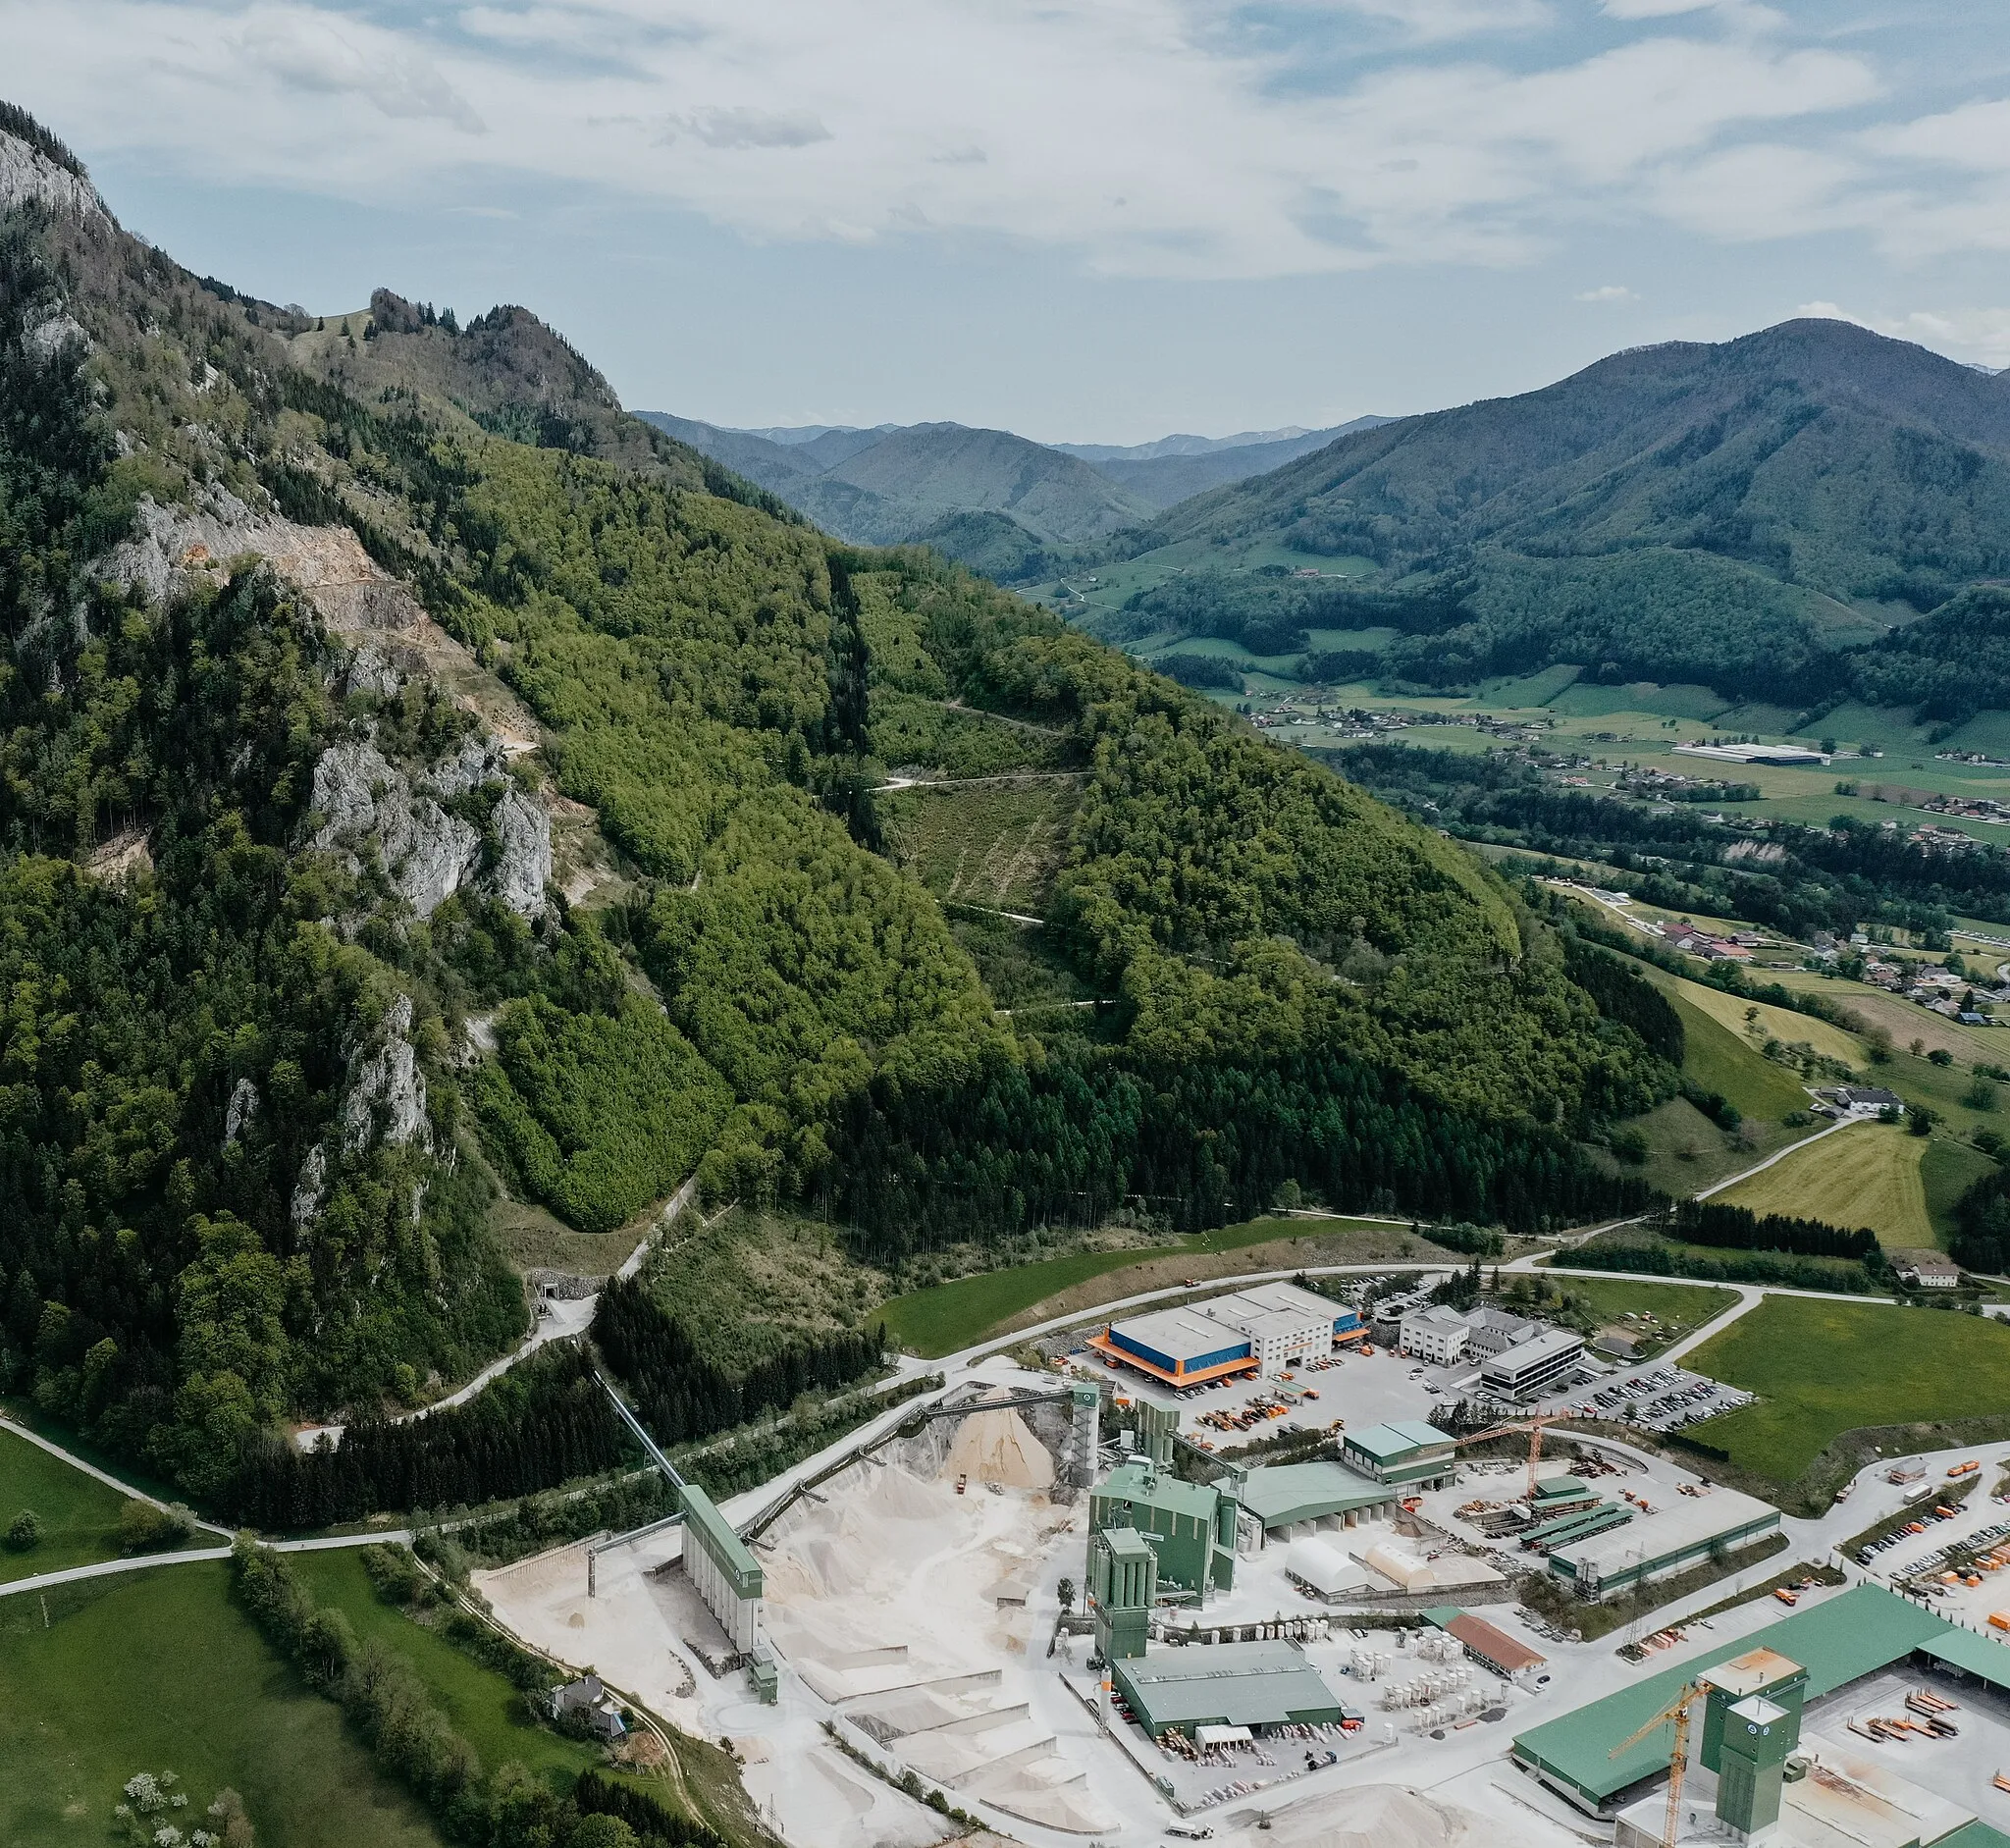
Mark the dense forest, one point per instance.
(295, 844)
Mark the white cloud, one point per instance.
(1976, 335)
(1148, 137)
(1609, 291)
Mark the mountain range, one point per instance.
(434, 801)
(998, 501)
(1771, 517)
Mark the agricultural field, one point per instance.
(1822, 1367)
(1757, 1022)
(1903, 1020)
(159, 1670)
(1865, 1175)
(994, 843)
(80, 1515)
(946, 1317)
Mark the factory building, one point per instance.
(1434, 1334)
(1489, 1645)
(1597, 1558)
(1122, 1587)
(1407, 1452)
(1525, 1369)
(1178, 1348)
(727, 1576)
(1793, 1666)
(1288, 1501)
(1262, 1330)
(1190, 1526)
(1245, 1687)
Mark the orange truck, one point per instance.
(1960, 1470)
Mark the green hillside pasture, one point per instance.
(80, 1515)
(1867, 1174)
(1947, 1170)
(1821, 1368)
(946, 1317)
(1700, 704)
(480, 1704)
(1719, 1060)
(998, 844)
(160, 1671)
(1686, 1151)
(1903, 1020)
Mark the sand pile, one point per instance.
(996, 1445)
(1385, 1816)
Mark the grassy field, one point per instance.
(992, 843)
(1720, 1060)
(1867, 1174)
(1904, 1021)
(480, 1704)
(1755, 1022)
(79, 1515)
(1677, 1309)
(160, 1671)
(1946, 1172)
(946, 1317)
(1821, 1368)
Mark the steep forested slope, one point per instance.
(1731, 515)
(408, 758)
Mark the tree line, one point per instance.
(680, 1395)
(1738, 1228)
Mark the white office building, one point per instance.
(1436, 1334)
(1525, 1369)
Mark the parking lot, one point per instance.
(1655, 1399)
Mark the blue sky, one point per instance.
(1089, 220)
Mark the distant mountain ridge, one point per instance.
(993, 500)
(1736, 514)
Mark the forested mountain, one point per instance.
(990, 499)
(983, 497)
(1164, 473)
(415, 770)
(1761, 516)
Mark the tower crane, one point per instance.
(1535, 1426)
(1677, 1713)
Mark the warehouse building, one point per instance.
(1287, 1501)
(1248, 1686)
(1489, 1645)
(1262, 1330)
(1407, 1452)
(1594, 1563)
(1524, 1370)
(1839, 1642)
(1178, 1348)
(1190, 1526)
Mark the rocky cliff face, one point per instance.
(427, 851)
(27, 174)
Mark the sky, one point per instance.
(1082, 220)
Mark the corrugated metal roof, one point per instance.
(1242, 1684)
(1979, 1655)
(1302, 1492)
(1837, 1642)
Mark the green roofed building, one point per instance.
(1836, 1642)
(716, 1561)
(1226, 1684)
(1190, 1526)
(1407, 1452)
(1288, 1497)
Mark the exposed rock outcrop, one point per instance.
(427, 853)
(310, 1191)
(242, 1111)
(387, 1095)
(27, 174)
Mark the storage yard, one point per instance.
(1096, 1645)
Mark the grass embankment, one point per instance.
(162, 1672)
(1824, 1368)
(1866, 1175)
(949, 1316)
(80, 1515)
(483, 1707)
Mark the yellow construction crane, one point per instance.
(1535, 1427)
(1678, 1711)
